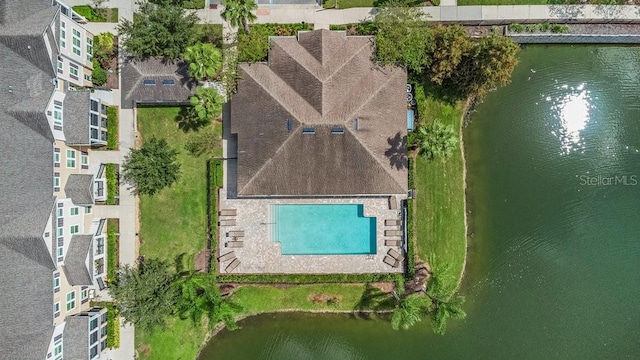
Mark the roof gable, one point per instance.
(322, 81)
(75, 267)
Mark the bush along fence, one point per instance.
(112, 128)
(113, 188)
(214, 183)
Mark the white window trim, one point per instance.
(74, 229)
(56, 307)
(55, 346)
(57, 109)
(75, 47)
(84, 294)
(77, 209)
(72, 301)
(73, 71)
(56, 282)
(71, 158)
(56, 157)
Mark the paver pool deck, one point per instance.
(261, 255)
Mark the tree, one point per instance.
(444, 310)
(200, 296)
(158, 31)
(103, 48)
(202, 142)
(402, 37)
(207, 103)
(146, 295)
(239, 12)
(409, 310)
(152, 167)
(436, 141)
(99, 75)
(205, 61)
(451, 45)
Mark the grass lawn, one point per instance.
(113, 226)
(112, 127)
(174, 222)
(439, 206)
(345, 4)
(180, 340)
(257, 299)
(112, 184)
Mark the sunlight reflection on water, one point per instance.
(572, 109)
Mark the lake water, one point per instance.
(554, 262)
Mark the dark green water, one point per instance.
(554, 264)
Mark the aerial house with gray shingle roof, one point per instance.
(320, 119)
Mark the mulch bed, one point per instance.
(202, 261)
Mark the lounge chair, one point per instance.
(392, 222)
(235, 233)
(391, 261)
(227, 222)
(393, 203)
(394, 254)
(235, 244)
(392, 242)
(226, 257)
(228, 212)
(232, 265)
(393, 233)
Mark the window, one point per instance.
(168, 82)
(57, 115)
(84, 160)
(56, 158)
(56, 181)
(84, 294)
(76, 42)
(60, 232)
(57, 349)
(87, 77)
(87, 210)
(60, 66)
(89, 49)
(74, 211)
(63, 35)
(73, 229)
(71, 300)
(56, 283)
(60, 251)
(56, 309)
(73, 71)
(149, 82)
(71, 159)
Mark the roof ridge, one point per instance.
(386, 168)
(135, 85)
(344, 63)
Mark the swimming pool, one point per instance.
(323, 229)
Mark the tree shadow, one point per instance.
(397, 152)
(374, 299)
(187, 120)
(178, 262)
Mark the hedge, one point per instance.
(112, 128)
(254, 47)
(215, 182)
(112, 249)
(112, 184)
(307, 278)
(411, 257)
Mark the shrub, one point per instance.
(112, 183)
(193, 4)
(517, 28)
(112, 127)
(411, 261)
(254, 47)
(99, 75)
(112, 249)
(306, 278)
(559, 28)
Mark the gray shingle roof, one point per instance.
(75, 261)
(135, 91)
(76, 117)
(322, 80)
(26, 169)
(26, 308)
(76, 338)
(79, 189)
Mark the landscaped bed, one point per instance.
(97, 15)
(113, 190)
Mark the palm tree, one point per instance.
(409, 311)
(201, 296)
(447, 309)
(238, 12)
(205, 61)
(436, 141)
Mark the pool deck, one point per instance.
(261, 255)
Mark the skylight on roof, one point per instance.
(308, 130)
(288, 125)
(168, 82)
(337, 130)
(149, 82)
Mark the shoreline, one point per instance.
(463, 121)
(220, 326)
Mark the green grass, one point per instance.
(254, 47)
(106, 15)
(439, 206)
(112, 127)
(193, 4)
(345, 4)
(258, 299)
(209, 33)
(174, 222)
(112, 184)
(179, 340)
(112, 248)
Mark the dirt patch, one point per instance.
(328, 299)
(385, 287)
(144, 351)
(202, 261)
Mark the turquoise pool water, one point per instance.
(319, 229)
